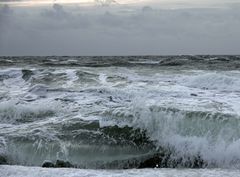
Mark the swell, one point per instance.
(216, 62)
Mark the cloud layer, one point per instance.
(65, 30)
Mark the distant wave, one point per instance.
(185, 61)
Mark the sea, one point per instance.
(120, 116)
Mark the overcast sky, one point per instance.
(125, 27)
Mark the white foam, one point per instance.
(13, 84)
(215, 81)
(19, 171)
(72, 77)
(10, 111)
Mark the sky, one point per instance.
(120, 27)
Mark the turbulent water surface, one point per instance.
(118, 112)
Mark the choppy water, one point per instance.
(116, 112)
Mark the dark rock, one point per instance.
(156, 160)
(152, 162)
(63, 164)
(48, 164)
(161, 160)
(3, 160)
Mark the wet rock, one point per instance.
(164, 160)
(63, 164)
(48, 164)
(3, 160)
(152, 162)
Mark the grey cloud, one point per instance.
(63, 31)
(5, 15)
(57, 18)
(57, 11)
(5, 10)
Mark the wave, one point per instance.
(11, 113)
(214, 81)
(184, 61)
(114, 117)
(152, 136)
(83, 143)
(211, 137)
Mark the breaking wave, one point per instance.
(167, 137)
(214, 81)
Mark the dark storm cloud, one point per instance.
(61, 30)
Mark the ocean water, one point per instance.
(108, 114)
